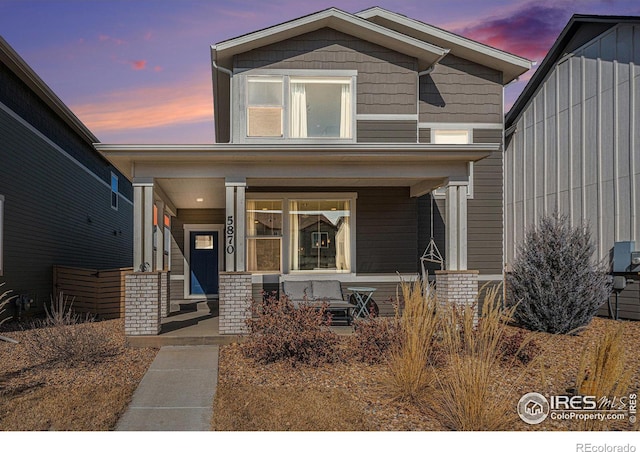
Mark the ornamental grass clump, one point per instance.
(408, 374)
(468, 393)
(604, 373)
(5, 299)
(280, 331)
(554, 284)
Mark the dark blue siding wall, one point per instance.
(57, 212)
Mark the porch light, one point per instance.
(199, 199)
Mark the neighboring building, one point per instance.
(332, 130)
(61, 202)
(573, 140)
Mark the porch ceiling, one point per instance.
(184, 193)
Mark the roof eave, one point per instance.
(27, 75)
(339, 20)
(511, 66)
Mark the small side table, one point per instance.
(363, 295)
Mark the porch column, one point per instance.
(159, 222)
(456, 227)
(234, 233)
(142, 226)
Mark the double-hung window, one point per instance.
(299, 107)
(264, 235)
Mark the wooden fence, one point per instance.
(97, 292)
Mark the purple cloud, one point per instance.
(528, 31)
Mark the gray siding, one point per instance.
(424, 135)
(386, 231)
(484, 215)
(577, 145)
(26, 104)
(461, 91)
(386, 79)
(56, 212)
(386, 131)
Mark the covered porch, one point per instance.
(353, 204)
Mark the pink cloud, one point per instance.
(181, 103)
(138, 65)
(107, 38)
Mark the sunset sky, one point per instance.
(139, 71)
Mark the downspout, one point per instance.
(420, 74)
(230, 74)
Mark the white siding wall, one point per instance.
(577, 145)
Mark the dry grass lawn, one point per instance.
(40, 395)
(354, 396)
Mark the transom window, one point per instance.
(299, 107)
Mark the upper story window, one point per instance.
(299, 106)
(447, 136)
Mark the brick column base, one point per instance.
(142, 303)
(235, 302)
(458, 287)
(165, 294)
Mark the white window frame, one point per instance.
(241, 98)
(286, 238)
(265, 237)
(1, 235)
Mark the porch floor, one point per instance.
(197, 327)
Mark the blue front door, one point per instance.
(204, 262)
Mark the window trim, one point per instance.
(1, 235)
(115, 192)
(285, 237)
(265, 237)
(241, 98)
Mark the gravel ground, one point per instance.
(552, 374)
(40, 395)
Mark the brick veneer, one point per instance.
(457, 287)
(165, 296)
(235, 302)
(143, 302)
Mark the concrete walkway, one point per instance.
(176, 393)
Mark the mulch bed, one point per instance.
(40, 395)
(362, 386)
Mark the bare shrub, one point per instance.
(408, 374)
(519, 347)
(280, 331)
(373, 338)
(555, 286)
(466, 397)
(63, 337)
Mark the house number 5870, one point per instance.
(230, 234)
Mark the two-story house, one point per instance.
(333, 131)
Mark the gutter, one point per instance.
(228, 72)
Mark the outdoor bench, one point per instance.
(317, 292)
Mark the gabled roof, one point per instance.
(426, 53)
(510, 65)
(21, 69)
(564, 44)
